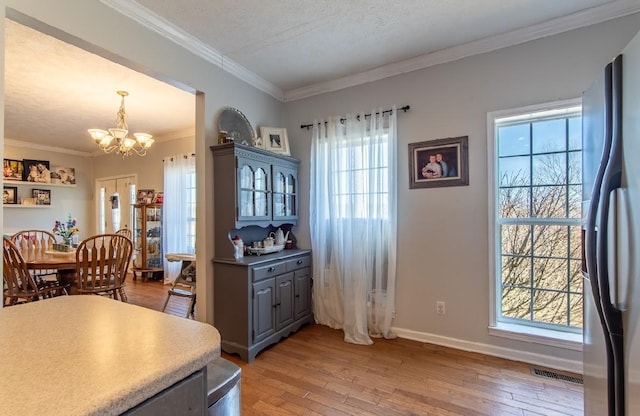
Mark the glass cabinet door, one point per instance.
(154, 236)
(138, 229)
(284, 193)
(147, 236)
(254, 190)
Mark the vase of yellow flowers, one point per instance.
(66, 230)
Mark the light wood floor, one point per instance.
(314, 372)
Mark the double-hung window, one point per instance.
(190, 212)
(536, 169)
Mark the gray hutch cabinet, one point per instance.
(257, 299)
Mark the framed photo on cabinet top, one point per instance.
(437, 163)
(145, 196)
(275, 140)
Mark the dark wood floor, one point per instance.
(314, 372)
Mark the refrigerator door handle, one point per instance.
(618, 248)
(612, 264)
(611, 182)
(592, 233)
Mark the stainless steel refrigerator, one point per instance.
(611, 238)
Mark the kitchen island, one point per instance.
(88, 355)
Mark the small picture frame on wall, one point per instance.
(437, 163)
(145, 196)
(275, 140)
(12, 170)
(10, 195)
(36, 171)
(42, 196)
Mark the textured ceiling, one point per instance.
(54, 91)
(295, 43)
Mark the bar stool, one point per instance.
(187, 277)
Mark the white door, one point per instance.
(125, 186)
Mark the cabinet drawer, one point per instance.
(274, 269)
(298, 263)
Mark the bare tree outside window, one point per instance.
(539, 197)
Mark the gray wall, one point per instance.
(99, 29)
(452, 100)
(150, 169)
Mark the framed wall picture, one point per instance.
(275, 140)
(36, 171)
(12, 170)
(10, 195)
(42, 196)
(436, 163)
(63, 175)
(145, 196)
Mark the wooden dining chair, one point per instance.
(20, 285)
(101, 265)
(36, 240)
(125, 232)
(185, 287)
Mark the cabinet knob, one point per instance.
(299, 262)
(271, 269)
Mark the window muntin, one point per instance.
(357, 169)
(190, 195)
(537, 218)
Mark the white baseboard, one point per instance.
(501, 352)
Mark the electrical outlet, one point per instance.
(440, 307)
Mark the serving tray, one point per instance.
(265, 250)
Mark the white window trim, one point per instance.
(510, 330)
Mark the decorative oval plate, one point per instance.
(237, 126)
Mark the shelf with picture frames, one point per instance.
(27, 206)
(43, 184)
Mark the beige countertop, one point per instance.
(88, 355)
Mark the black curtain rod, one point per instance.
(342, 120)
(183, 156)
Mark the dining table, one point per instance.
(63, 262)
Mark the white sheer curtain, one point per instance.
(179, 192)
(353, 224)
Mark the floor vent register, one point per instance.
(550, 374)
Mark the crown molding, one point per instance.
(168, 30)
(552, 27)
(163, 27)
(36, 146)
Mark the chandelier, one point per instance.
(117, 140)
